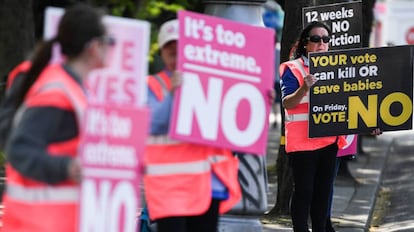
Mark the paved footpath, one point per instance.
(354, 199)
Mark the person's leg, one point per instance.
(303, 168)
(207, 222)
(172, 224)
(322, 187)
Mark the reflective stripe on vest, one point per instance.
(299, 65)
(159, 84)
(296, 117)
(42, 194)
(76, 102)
(305, 99)
(299, 72)
(178, 168)
(161, 139)
(74, 99)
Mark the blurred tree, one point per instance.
(17, 39)
(17, 35)
(38, 8)
(156, 12)
(23, 19)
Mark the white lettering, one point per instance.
(103, 153)
(112, 124)
(206, 108)
(225, 59)
(123, 199)
(94, 206)
(255, 126)
(230, 38)
(203, 106)
(101, 210)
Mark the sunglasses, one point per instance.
(317, 38)
(108, 39)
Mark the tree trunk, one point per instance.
(17, 33)
(368, 18)
(291, 29)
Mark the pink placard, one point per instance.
(111, 155)
(115, 127)
(350, 148)
(228, 71)
(123, 80)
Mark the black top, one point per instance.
(39, 127)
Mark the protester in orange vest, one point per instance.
(43, 173)
(186, 185)
(312, 159)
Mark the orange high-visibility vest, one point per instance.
(34, 206)
(177, 178)
(21, 68)
(296, 119)
(159, 84)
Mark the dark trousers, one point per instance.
(206, 222)
(313, 175)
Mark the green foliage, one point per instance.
(153, 11)
(2, 159)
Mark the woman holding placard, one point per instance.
(312, 159)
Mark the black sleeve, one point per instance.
(27, 147)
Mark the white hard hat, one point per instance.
(168, 32)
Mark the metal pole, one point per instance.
(245, 216)
(249, 12)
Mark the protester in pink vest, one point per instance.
(312, 159)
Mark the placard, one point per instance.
(359, 90)
(344, 19)
(113, 134)
(227, 76)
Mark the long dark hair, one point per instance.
(77, 27)
(303, 38)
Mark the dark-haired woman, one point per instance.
(312, 159)
(42, 172)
